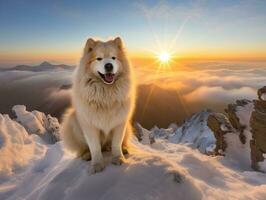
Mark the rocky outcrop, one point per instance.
(143, 135)
(258, 130)
(231, 111)
(247, 119)
(220, 126)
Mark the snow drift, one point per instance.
(35, 122)
(17, 147)
(19, 141)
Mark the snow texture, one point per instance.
(194, 133)
(35, 122)
(236, 151)
(158, 170)
(17, 147)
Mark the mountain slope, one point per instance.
(163, 170)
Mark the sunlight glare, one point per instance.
(164, 57)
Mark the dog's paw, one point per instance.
(118, 160)
(125, 150)
(86, 156)
(95, 168)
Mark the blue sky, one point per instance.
(51, 28)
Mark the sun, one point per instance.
(164, 57)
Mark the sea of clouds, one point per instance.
(210, 81)
(174, 93)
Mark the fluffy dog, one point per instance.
(103, 97)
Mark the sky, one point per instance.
(33, 31)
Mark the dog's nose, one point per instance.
(108, 67)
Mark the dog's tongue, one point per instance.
(109, 77)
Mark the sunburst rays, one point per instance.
(165, 57)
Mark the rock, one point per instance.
(138, 131)
(258, 130)
(220, 126)
(234, 119)
(143, 135)
(162, 132)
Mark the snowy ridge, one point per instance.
(194, 133)
(35, 122)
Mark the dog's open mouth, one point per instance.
(107, 78)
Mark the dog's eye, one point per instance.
(99, 59)
(113, 58)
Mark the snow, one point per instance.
(236, 151)
(32, 169)
(262, 165)
(263, 97)
(244, 113)
(194, 133)
(17, 147)
(32, 123)
(224, 128)
(38, 123)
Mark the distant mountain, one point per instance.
(44, 66)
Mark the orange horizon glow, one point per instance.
(139, 58)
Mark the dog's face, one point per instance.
(104, 59)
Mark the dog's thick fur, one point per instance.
(100, 117)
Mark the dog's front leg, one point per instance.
(92, 136)
(118, 135)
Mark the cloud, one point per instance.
(211, 81)
(59, 95)
(219, 94)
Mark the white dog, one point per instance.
(103, 101)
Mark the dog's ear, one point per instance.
(89, 45)
(119, 43)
